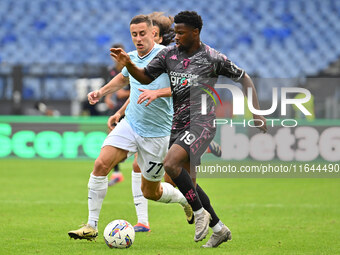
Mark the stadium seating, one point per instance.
(268, 38)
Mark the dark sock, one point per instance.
(116, 168)
(207, 206)
(186, 186)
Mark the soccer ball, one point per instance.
(119, 234)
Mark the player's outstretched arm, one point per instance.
(123, 58)
(114, 119)
(152, 95)
(118, 82)
(247, 82)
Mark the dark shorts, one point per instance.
(194, 139)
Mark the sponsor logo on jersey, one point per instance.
(188, 79)
(202, 61)
(182, 78)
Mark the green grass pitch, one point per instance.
(41, 200)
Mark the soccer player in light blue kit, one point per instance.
(145, 130)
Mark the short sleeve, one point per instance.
(157, 65)
(227, 68)
(125, 72)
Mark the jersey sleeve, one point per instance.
(226, 67)
(157, 65)
(125, 72)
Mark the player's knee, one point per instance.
(168, 164)
(171, 168)
(101, 167)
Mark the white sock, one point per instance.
(97, 190)
(217, 227)
(171, 195)
(141, 203)
(198, 211)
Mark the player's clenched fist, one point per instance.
(93, 97)
(120, 56)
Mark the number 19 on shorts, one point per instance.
(188, 138)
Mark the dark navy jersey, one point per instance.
(191, 78)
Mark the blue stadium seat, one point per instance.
(261, 27)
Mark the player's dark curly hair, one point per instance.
(190, 18)
(165, 27)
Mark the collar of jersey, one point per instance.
(141, 58)
(202, 45)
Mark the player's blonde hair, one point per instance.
(165, 26)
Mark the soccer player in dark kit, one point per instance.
(193, 68)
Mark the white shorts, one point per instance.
(151, 150)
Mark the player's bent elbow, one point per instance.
(245, 76)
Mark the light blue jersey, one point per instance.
(155, 119)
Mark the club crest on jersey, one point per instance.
(186, 63)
